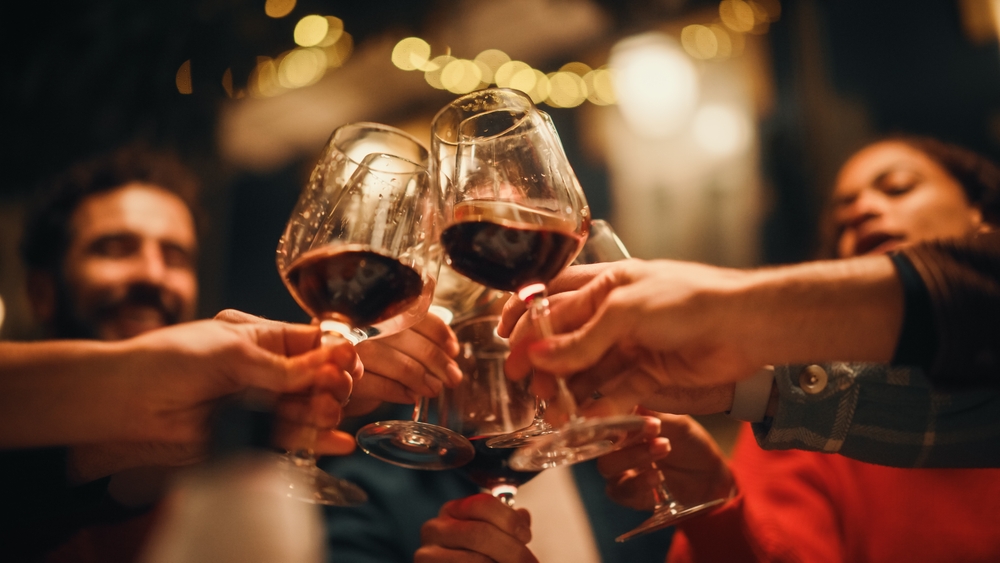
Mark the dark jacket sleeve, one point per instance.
(962, 282)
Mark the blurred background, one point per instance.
(702, 130)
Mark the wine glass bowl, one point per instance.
(359, 254)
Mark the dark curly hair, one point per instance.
(46, 236)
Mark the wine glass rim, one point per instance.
(380, 127)
(370, 157)
(472, 95)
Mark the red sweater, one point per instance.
(806, 506)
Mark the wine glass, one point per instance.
(360, 258)
(485, 404)
(603, 245)
(418, 444)
(667, 511)
(515, 216)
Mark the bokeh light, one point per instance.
(461, 76)
(568, 89)
(338, 53)
(279, 8)
(699, 41)
(492, 59)
(737, 15)
(264, 78)
(434, 68)
(310, 30)
(578, 68)
(335, 28)
(600, 87)
(656, 84)
(183, 78)
(505, 74)
(541, 85)
(411, 53)
(721, 130)
(301, 67)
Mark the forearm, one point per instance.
(64, 392)
(849, 310)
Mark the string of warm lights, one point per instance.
(724, 39)
(568, 87)
(575, 82)
(323, 44)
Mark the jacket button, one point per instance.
(812, 379)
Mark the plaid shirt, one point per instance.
(883, 415)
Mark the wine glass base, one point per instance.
(668, 516)
(415, 445)
(522, 437)
(578, 440)
(309, 483)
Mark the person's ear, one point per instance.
(42, 296)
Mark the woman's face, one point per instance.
(890, 195)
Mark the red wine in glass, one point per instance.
(491, 471)
(508, 246)
(360, 286)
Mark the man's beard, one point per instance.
(70, 321)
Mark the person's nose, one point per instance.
(867, 206)
(150, 266)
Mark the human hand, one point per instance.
(476, 529)
(632, 328)
(684, 456)
(400, 368)
(185, 367)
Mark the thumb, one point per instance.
(582, 348)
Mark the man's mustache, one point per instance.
(142, 295)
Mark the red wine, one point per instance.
(506, 246)
(489, 468)
(355, 285)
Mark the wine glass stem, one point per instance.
(505, 493)
(662, 496)
(332, 335)
(418, 409)
(538, 306)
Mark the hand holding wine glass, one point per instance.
(690, 462)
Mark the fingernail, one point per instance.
(659, 447)
(454, 373)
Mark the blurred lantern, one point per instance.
(655, 83)
(721, 130)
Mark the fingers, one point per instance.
(486, 508)
(390, 362)
(334, 442)
(420, 358)
(437, 331)
(570, 279)
(639, 456)
(480, 525)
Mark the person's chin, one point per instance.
(130, 325)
